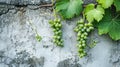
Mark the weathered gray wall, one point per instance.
(34, 2)
(19, 48)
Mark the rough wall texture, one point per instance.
(33, 2)
(24, 2)
(19, 48)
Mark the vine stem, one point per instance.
(116, 16)
(33, 27)
(84, 16)
(54, 12)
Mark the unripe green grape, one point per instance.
(80, 46)
(56, 25)
(78, 38)
(79, 34)
(59, 31)
(82, 30)
(38, 37)
(78, 22)
(81, 26)
(51, 22)
(54, 41)
(88, 30)
(59, 43)
(54, 37)
(83, 41)
(52, 26)
(80, 50)
(76, 29)
(57, 28)
(58, 37)
(58, 20)
(86, 24)
(81, 55)
(91, 28)
(81, 21)
(84, 52)
(85, 37)
(82, 35)
(85, 33)
(56, 33)
(54, 30)
(84, 27)
(61, 40)
(55, 20)
(80, 42)
(83, 45)
(60, 25)
(60, 34)
(89, 24)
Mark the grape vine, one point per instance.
(57, 29)
(92, 13)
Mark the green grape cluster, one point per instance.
(82, 29)
(38, 37)
(57, 38)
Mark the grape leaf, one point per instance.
(92, 13)
(105, 3)
(69, 8)
(110, 24)
(117, 4)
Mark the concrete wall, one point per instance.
(19, 48)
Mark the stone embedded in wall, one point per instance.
(68, 63)
(22, 59)
(89, 1)
(5, 8)
(24, 2)
(115, 55)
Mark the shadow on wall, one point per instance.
(68, 63)
(22, 59)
